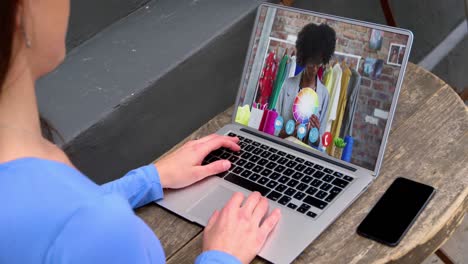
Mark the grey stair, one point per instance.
(88, 17)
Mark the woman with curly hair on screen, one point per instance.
(315, 46)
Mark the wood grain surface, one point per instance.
(428, 143)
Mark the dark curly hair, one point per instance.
(315, 43)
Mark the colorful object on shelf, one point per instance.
(265, 83)
(313, 135)
(301, 131)
(256, 115)
(326, 139)
(339, 142)
(348, 149)
(298, 69)
(263, 121)
(339, 145)
(290, 126)
(280, 77)
(278, 125)
(243, 115)
(305, 104)
(270, 119)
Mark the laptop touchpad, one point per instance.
(215, 199)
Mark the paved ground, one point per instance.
(453, 69)
(455, 246)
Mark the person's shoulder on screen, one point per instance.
(291, 85)
(323, 89)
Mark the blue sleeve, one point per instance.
(140, 186)
(216, 257)
(105, 231)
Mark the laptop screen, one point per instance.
(322, 83)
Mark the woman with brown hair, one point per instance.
(51, 212)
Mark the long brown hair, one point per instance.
(8, 9)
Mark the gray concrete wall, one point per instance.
(88, 17)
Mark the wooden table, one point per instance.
(428, 143)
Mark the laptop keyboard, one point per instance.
(293, 182)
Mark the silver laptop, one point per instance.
(313, 131)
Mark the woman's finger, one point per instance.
(213, 136)
(213, 168)
(235, 202)
(213, 219)
(316, 120)
(260, 210)
(218, 142)
(269, 224)
(313, 121)
(251, 203)
(206, 138)
(316, 124)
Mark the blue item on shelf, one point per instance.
(298, 70)
(278, 125)
(301, 131)
(290, 126)
(348, 149)
(313, 135)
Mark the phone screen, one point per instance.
(395, 212)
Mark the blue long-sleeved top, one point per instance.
(51, 213)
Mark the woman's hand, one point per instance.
(183, 167)
(238, 229)
(314, 122)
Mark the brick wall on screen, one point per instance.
(373, 93)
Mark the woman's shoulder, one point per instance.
(19, 148)
(104, 228)
(293, 80)
(29, 162)
(322, 89)
(291, 84)
(39, 169)
(45, 184)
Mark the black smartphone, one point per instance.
(395, 212)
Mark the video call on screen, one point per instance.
(321, 83)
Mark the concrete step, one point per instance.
(138, 87)
(88, 17)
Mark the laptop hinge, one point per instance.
(279, 142)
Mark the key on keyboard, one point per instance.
(274, 195)
(315, 202)
(249, 185)
(284, 200)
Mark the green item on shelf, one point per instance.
(243, 115)
(339, 142)
(280, 77)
